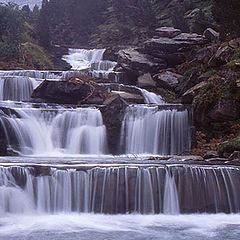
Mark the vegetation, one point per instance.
(18, 39)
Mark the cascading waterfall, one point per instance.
(16, 88)
(149, 130)
(32, 74)
(81, 59)
(150, 97)
(119, 189)
(34, 131)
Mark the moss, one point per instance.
(208, 74)
(35, 56)
(229, 147)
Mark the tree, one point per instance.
(226, 13)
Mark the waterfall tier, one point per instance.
(46, 131)
(169, 190)
(149, 130)
(16, 88)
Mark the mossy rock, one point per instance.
(227, 148)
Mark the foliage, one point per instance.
(227, 15)
(229, 147)
(18, 39)
(35, 57)
(216, 89)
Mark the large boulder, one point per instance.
(113, 114)
(167, 79)
(131, 60)
(181, 43)
(225, 110)
(146, 80)
(62, 91)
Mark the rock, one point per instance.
(188, 96)
(131, 60)
(211, 34)
(129, 98)
(167, 79)
(226, 149)
(234, 156)
(205, 54)
(113, 114)
(210, 154)
(225, 110)
(146, 80)
(217, 160)
(62, 91)
(168, 32)
(235, 43)
(221, 57)
(193, 13)
(181, 43)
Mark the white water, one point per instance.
(119, 189)
(16, 88)
(53, 132)
(149, 130)
(150, 97)
(118, 227)
(81, 59)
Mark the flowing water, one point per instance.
(62, 185)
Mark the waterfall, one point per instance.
(46, 131)
(16, 88)
(119, 189)
(149, 130)
(81, 59)
(32, 74)
(150, 97)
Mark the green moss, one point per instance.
(35, 56)
(229, 147)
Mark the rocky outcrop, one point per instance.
(181, 43)
(131, 60)
(113, 113)
(84, 92)
(167, 79)
(146, 80)
(168, 32)
(225, 110)
(188, 96)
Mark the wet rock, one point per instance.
(130, 98)
(167, 79)
(217, 160)
(62, 91)
(146, 80)
(188, 96)
(168, 32)
(211, 34)
(234, 156)
(113, 113)
(210, 155)
(131, 60)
